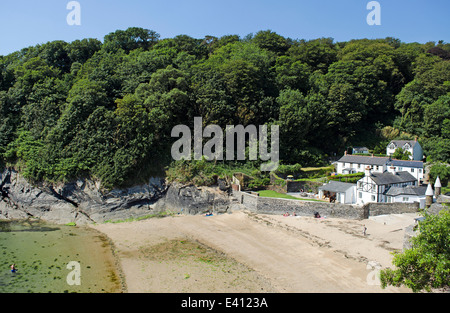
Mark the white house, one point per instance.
(356, 150)
(373, 186)
(341, 192)
(412, 146)
(415, 168)
(408, 194)
(349, 164)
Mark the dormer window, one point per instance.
(392, 146)
(407, 146)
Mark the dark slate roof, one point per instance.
(402, 163)
(401, 143)
(387, 178)
(408, 190)
(336, 186)
(361, 159)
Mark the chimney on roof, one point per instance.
(345, 153)
(391, 169)
(368, 171)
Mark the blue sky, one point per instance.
(29, 22)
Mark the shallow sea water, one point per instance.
(42, 253)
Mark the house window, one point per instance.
(405, 199)
(420, 170)
(412, 170)
(373, 198)
(360, 195)
(400, 169)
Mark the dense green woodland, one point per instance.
(106, 109)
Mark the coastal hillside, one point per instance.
(105, 109)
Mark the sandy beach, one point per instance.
(246, 252)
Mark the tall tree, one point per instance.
(130, 39)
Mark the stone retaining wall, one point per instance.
(375, 209)
(308, 208)
(265, 205)
(276, 206)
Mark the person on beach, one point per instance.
(13, 268)
(364, 230)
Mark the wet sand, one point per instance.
(245, 252)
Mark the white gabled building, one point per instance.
(349, 164)
(412, 146)
(415, 168)
(374, 185)
(408, 194)
(339, 191)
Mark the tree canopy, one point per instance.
(426, 265)
(106, 109)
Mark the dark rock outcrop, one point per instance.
(195, 200)
(83, 201)
(80, 202)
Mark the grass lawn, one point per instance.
(274, 194)
(309, 169)
(320, 179)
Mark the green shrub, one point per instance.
(441, 170)
(349, 178)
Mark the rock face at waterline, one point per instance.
(195, 200)
(80, 202)
(84, 202)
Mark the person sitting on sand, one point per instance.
(317, 215)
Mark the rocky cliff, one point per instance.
(196, 200)
(83, 201)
